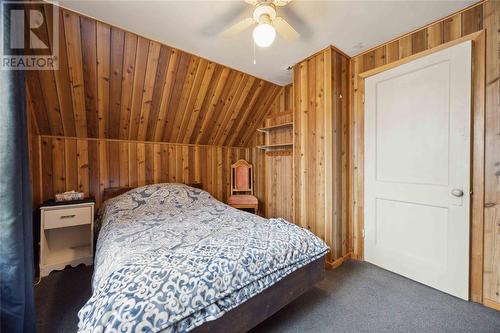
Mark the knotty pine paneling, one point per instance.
(34, 161)
(277, 167)
(91, 165)
(113, 84)
(321, 120)
(485, 255)
(491, 282)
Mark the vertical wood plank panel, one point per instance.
(175, 96)
(149, 80)
(36, 102)
(491, 282)
(59, 172)
(128, 71)
(89, 61)
(132, 164)
(47, 172)
(63, 83)
(434, 35)
(82, 151)
(71, 162)
(369, 60)
(472, 20)
(214, 96)
(198, 101)
(103, 40)
(329, 123)
(141, 164)
(344, 152)
(159, 84)
(138, 88)
(49, 91)
(164, 163)
(47, 78)
(172, 157)
(191, 86)
(123, 159)
(392, 51)
(419, 41)
(452, 28)
(149, 163)
(115, 85)
(93, 170)
(74, 53)
(35, 169)
(477, 185)
(405, 47)
(179, 164)
(157, 163)
(113, 154)
(336, 248)
(173, 66)
(103, 166)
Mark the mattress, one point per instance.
(170, 257)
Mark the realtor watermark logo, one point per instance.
(30, 35)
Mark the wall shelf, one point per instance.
(274, 127)
(276, 145)
(277, 132)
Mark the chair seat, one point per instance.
(242, 199)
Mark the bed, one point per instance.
(171, 258)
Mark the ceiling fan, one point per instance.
(264, 15)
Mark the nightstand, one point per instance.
(66, 234)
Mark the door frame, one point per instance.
(477, 159)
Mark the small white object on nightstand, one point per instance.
(66, 236)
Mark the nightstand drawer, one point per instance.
(60, 218)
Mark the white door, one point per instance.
(417, 169)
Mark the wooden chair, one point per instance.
(242, 187)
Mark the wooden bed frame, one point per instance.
(262, 306)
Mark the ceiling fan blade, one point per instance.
(285, 29)
(252, 2)
(280, 3)
(238, 27)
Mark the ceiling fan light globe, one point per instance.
(264, 34)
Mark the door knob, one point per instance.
(457, 192)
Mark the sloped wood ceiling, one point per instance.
(114, 84)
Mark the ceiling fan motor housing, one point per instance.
(265, 12)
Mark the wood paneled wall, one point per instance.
(123, 110)
(485, 275)
(491, 281)
(277, 166)
(113, 84)
(91, 165)
(34, 162)
(321, 129)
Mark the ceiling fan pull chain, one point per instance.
(254, 61)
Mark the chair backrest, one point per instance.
(241, 178)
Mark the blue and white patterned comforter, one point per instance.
(170, 257)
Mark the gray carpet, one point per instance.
(356, 297)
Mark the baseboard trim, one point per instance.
(336, 263)
(491, 304)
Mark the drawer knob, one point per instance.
(68, 216)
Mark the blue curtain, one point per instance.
(16, 229)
